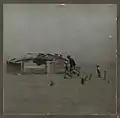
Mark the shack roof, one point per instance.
(38, 56)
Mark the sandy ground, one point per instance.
(31, 94)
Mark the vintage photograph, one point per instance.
(59, 58)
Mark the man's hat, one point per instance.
(68, 56)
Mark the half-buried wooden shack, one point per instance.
(37, 63)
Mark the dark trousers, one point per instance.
(72, 68)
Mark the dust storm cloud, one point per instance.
(80, 30)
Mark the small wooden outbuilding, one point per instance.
(37, 63)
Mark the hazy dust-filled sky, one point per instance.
(80, 30)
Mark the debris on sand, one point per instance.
(85, 77)
(109, 82)
(82, 81)
(90, 76)
(51, 83)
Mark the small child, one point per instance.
(98, 71)
(51, 83)
(105, 74)
(66, 68)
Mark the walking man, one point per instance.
(72, 64)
